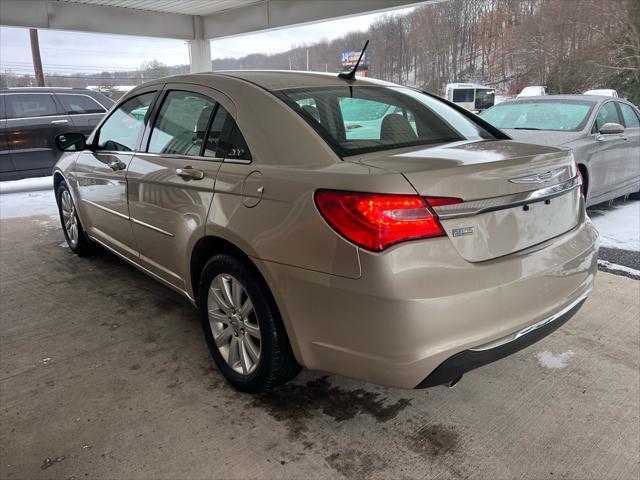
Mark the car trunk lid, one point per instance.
(514, 195)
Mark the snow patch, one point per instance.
(27, 185)
(549, 360)
(619, 225)
(619, 268)
(28, 204)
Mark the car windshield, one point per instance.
(568, 116)
(356, 120)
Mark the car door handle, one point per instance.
(190, 173)
(116, 165)
(59, 121)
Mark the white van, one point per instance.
(471, 96)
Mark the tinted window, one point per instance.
(629, 116)
(607, 114)
(181, 124)
(237, 147)
(124, 126)
(463, 95)
(30, 105)
(212, 147)
(79, 104)
(485, 99)
(356, 120)
(363, 119)
(539, 115)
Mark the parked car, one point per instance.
(604, 92)
(434, 246)
(30, 119)
(532, 91)
(603, 132)
(472, 96)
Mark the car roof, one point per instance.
(44, 90)
(274, 80)
(595, 99)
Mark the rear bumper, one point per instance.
(420, 304)
(460, 363)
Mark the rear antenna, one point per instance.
(351, 76)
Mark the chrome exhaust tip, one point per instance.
(453, 382)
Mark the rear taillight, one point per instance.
(581, 179)
(377, 221)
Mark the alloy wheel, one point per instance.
(234, 324)
(69, 219)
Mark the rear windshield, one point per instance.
(356, 120)
(569, 116)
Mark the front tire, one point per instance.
(242, 326)
(71, 226)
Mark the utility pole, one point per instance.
(290, 63)
(307, 59)
(35, 54)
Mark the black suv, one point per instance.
(30, 119)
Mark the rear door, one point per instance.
(85, 112)
(101, 174)
(607, 156)
(33, 122)
(632, 151)
(171, 180)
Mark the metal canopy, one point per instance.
(196, 21)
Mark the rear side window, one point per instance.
(120, 132)
(213, 146)
(30, 105)
(182, 123)
(607, 114)
(224, 127)
(629, 116)
(79, 104)
(237, 148)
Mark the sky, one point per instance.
(71, 52)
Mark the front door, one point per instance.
(607, 156)
(171, 180)
(101, 175)
(632, 155)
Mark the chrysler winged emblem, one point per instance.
(538, 177)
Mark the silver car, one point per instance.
(603, 133)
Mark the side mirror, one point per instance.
(71, 142)
(611, 129)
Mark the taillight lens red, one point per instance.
(581, 179)
(377, 221)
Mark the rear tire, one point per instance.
(243, 327)
(73, 231)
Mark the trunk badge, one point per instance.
(459, 232)
(538, 177)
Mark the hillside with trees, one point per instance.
(568, 45)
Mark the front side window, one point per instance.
(121, 131)
(570, 116)
(607, 114)
(629, 116)
(30, 105)
(79, 104)
(182, 123)
(356, 120)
